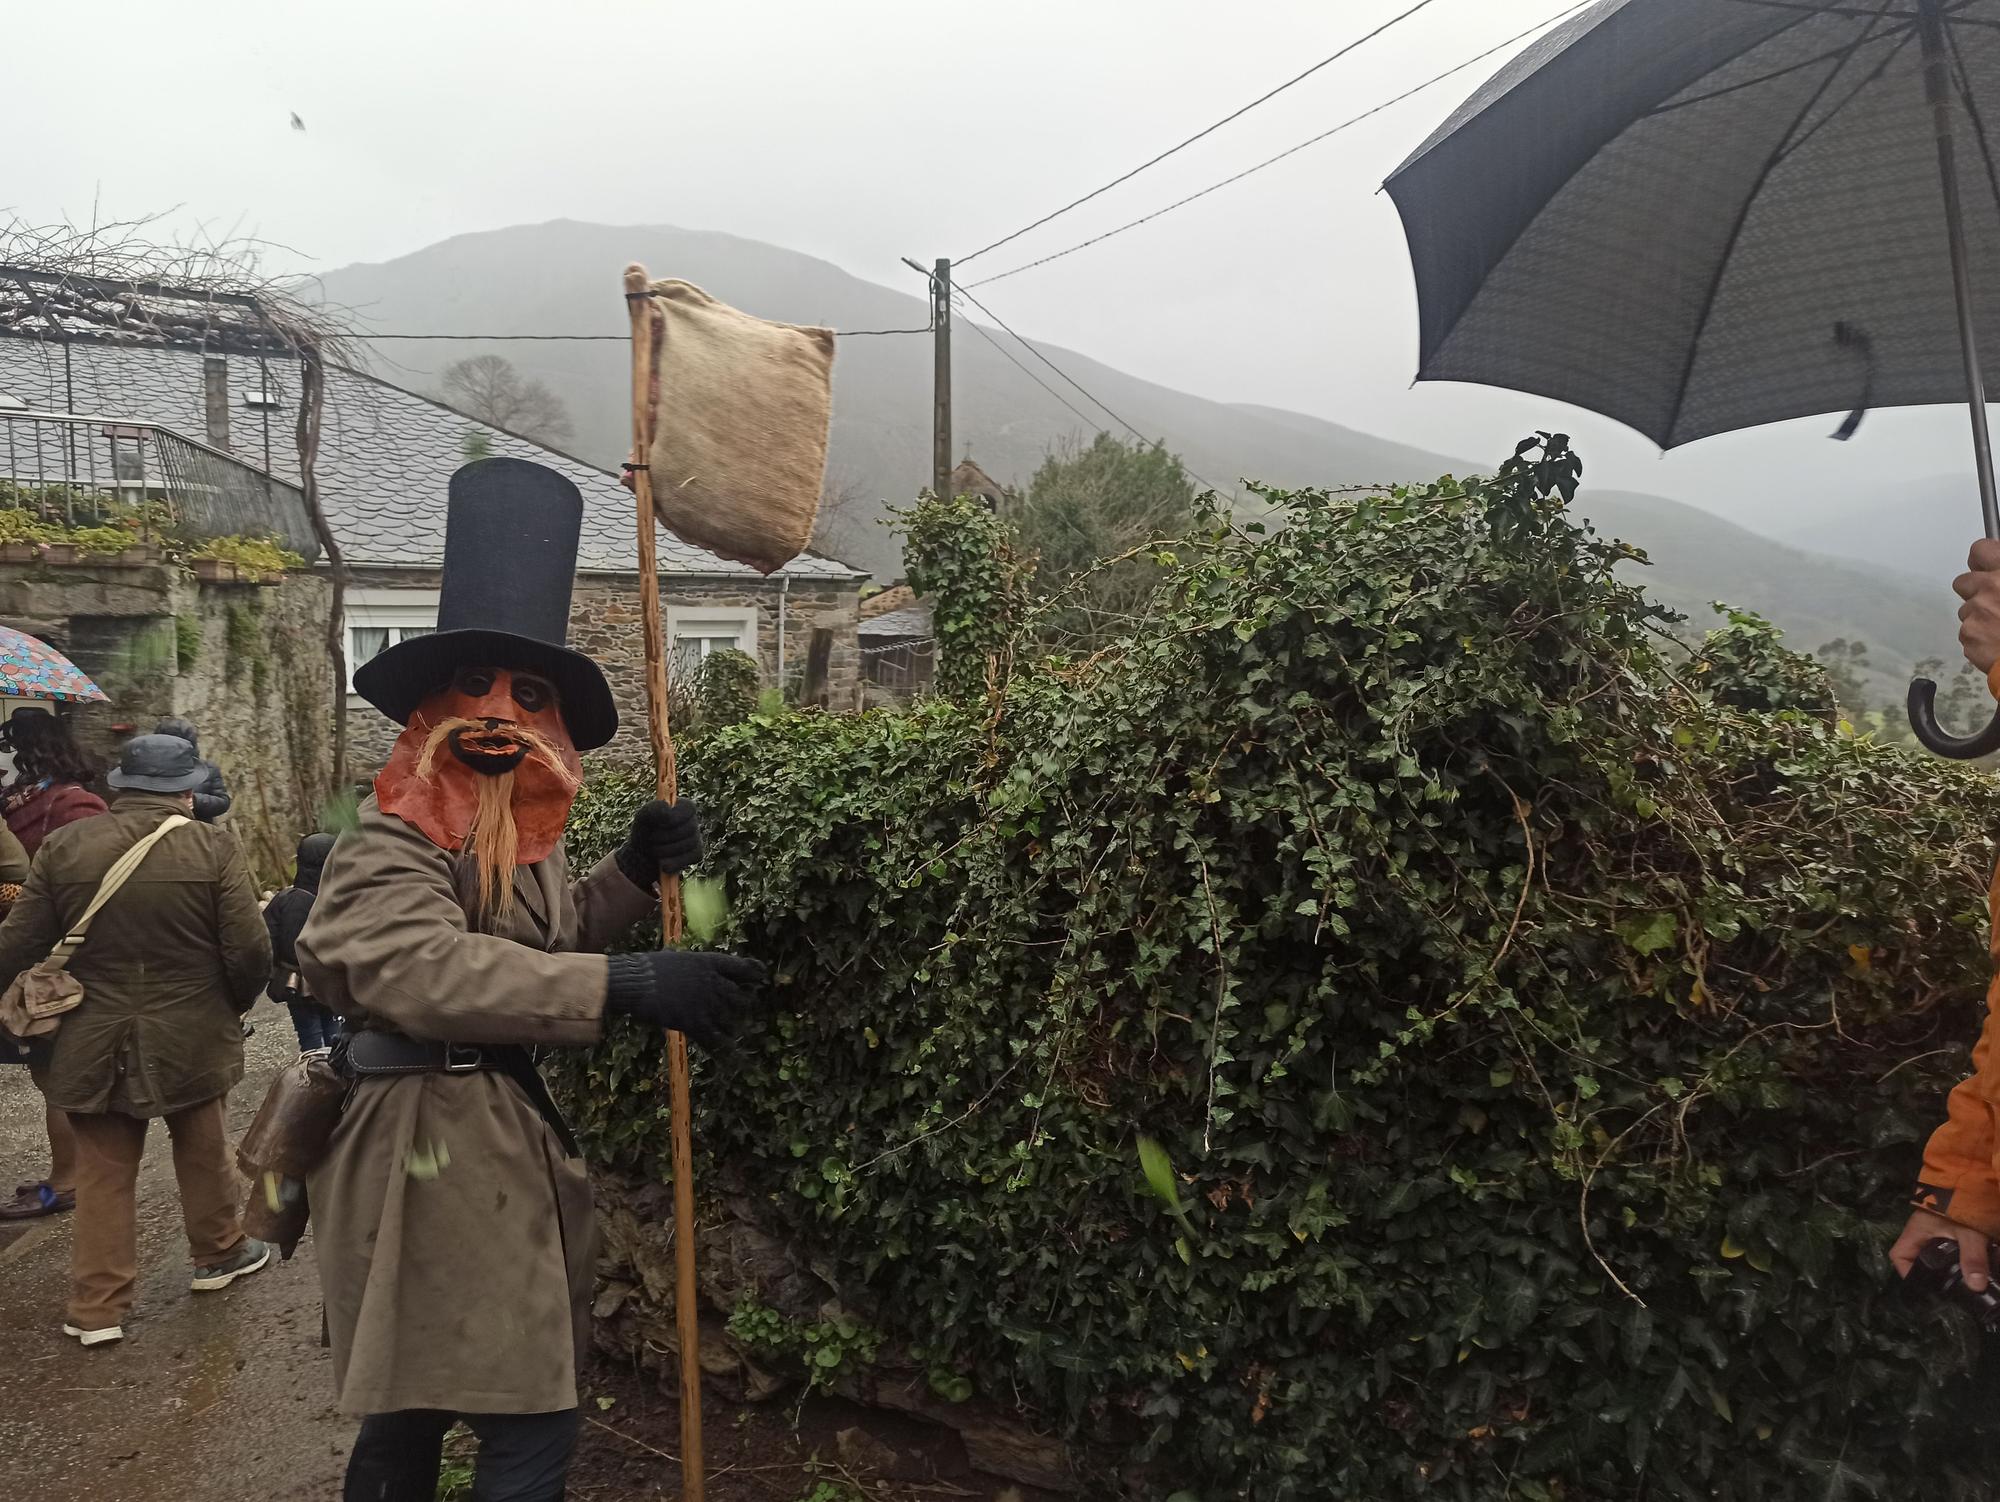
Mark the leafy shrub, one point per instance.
(19, 524)
(1745, 665)
(1541, 1051)
(103, 541)
(257, 555)
(726, 687)
(964, 555)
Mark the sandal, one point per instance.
(32, 1201)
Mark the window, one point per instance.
(377, 619)
(696, 633)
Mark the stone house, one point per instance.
(898, 644)
(385, 456)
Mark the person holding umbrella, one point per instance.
(46, 793)
(1958, 1197)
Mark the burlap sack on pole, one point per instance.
(740, 419)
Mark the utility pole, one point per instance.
(941, 380)
(940, 280)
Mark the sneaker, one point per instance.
(95, 1337)
(249, 1257)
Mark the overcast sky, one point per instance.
(864, 131)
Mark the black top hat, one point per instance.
(510, 539)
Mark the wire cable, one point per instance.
(1008, 355)
(1290, 151)
(1198, 135)
(1066, 376)
(585, 338)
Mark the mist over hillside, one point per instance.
(563, 278)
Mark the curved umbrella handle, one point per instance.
(1935, 738)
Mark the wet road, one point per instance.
(218, 1397)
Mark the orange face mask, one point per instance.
(486, 765)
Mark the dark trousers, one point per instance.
(523, 1457)
(317, 1027)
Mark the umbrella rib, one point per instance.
(1972, 116)
(1810, 10)
(1791, 148)
(1777, 155)
(1750, 83)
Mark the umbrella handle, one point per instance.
(1935, 738)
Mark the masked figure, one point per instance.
(452, 1215)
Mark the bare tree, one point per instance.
(489, 388)
(845, 528)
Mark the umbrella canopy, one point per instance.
(32, 669)
(1702, 215)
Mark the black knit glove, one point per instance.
(707, 996)
(665, 837)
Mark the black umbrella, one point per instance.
(1703, 215)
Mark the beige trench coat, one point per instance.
(453, 1231)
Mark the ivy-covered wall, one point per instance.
(246, 663)
(1392, 1029)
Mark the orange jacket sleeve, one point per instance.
(1959, 1177)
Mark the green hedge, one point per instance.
(1542, 1048)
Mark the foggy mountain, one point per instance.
(1922, 526)
(563, 278)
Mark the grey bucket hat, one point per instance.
(157, 764)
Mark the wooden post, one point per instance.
(647, 326)
(813, 692)
(941, 381)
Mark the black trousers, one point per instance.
(523, 1457)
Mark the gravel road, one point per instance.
(223, 1397)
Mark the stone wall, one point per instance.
(245, 663)
(605, 624)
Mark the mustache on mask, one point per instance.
(493, 840)
(539, 748)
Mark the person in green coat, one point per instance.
(167, 968)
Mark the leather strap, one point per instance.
(121, 871)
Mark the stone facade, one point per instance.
(605, 624)
(245, 663)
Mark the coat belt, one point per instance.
(370, 1053)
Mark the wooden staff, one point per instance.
(647, 327)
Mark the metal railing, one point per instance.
(91, 471)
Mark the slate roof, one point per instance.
(913, 620)
(385, 453)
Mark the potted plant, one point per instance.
(113, 545)
(60, 551)
(22, 534)
(256, 560)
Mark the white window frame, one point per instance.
(709, 624)
(391, 609)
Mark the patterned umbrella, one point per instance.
(31, 669)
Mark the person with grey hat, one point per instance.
(175, 953)
(211, 794)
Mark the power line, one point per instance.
(621, 338)
(1198, 135)
(1008, 355)
(1290, 151)
(1095, 401)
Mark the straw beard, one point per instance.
(498, 791)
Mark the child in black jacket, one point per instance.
(285, 916)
